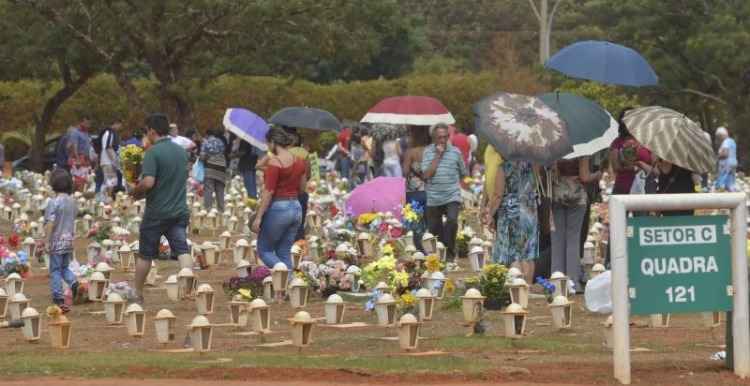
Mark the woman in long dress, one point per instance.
(517, 227)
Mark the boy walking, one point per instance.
(59, 219)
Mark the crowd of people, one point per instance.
(432, 160)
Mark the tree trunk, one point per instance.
(134, 100)
(543, 35)
(51, 106)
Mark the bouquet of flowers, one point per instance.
(99, 232)
(252, 284)
(547, 286)
(433, 263)
(492, 285)
(413, 214)
(407, 303)
(131, 157)
(365, 219)
(379, 270)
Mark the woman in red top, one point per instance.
(279, 213)
(627, 157)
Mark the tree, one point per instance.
(34, 48)
(186, 43)
(699, 49)
(545, 16)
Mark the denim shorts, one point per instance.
(174, 229)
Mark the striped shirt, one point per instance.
(444, 187)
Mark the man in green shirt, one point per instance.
(164, 185)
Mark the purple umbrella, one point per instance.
(247, 125)
(383, 194)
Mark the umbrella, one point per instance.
(671, 136)
(590, 127)
(306, 118)
(597, 144)
(382, 132)
(383, 194)
(603, 62)
(247, 125)
(521, 127)
(409, 110)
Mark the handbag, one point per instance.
(199, 171)
(568, 192)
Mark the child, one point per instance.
(59, 219)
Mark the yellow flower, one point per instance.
(400, 279)
(407, 300)
(449, 287)
(432, 263)
(387, 249)
(251, 203)
(366, 218)
(246, 293)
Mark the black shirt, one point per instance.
(678, 180)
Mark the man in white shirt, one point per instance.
(184, 142)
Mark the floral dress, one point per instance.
(517, 225)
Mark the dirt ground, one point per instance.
(678, 355)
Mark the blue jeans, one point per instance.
(58, 271)
(278, 231)
(248, 176)
(345, 167)
(303, 200)
(174, 229)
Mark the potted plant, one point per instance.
(492, 285)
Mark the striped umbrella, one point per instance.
(672, 136)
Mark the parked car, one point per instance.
(24, 163)
(49, 155)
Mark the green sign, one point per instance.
(679, 264)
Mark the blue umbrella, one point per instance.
(604, 62)
(306, 118)
(247, 125)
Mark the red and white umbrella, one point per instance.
(409, 110)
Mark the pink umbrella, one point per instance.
(409, 110)
(383, 194)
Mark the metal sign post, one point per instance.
(675, 288)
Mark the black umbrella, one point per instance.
(306, 118)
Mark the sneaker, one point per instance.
(64, 307)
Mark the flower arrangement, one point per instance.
(492, 285)
(378, 270)
(398, 279)
(14, 263)
(131, 157)
(370, 304)
(413, 214)
(407, 303)
(547, 286)
(365, 219)
(462, 242)
(433, 263)
(99, 232)
(253, 283)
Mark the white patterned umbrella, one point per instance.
(522, 127)
(672, 136)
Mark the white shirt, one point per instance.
(184, 142)
(106, 140)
